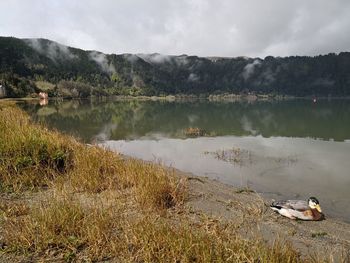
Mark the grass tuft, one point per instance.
(244, 190)
(318, 234)
(155, 187)
(30, 155)
(207, 241)
(33, 157)
(64, 225)
(13, 209)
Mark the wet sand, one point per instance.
(328, 238)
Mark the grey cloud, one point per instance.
(181, 60)
(249, 69)
(155, 58)
(251, 28)
(193, 77)
(131, 57)
(102, 61)
(52, 50)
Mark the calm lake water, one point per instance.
(282, 149)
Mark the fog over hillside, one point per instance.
(31, 65)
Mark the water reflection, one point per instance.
(118, 120)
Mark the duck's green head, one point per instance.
(315, 204)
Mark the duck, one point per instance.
(299, 209)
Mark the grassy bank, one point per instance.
(66, 201)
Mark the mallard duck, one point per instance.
(299, 209)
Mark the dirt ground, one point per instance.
(329, 237)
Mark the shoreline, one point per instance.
(182, 97)
(229, 203)
(88, 178)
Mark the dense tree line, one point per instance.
(27, 63)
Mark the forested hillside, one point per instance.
(28, 66)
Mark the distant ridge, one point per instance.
(32, 65)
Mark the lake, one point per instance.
(281, 149)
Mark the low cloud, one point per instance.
(193, 77)
(181, 60)
(52, 50)
(155, 58)
(131, 57)
(102, 60)
(250, 68)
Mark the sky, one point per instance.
(228, 28)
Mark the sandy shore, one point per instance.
(330, 237)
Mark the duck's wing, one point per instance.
(304, 215)
(298, 205)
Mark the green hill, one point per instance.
(32, 65)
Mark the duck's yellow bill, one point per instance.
(318, 208)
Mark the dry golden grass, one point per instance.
(96, 170)
(92, 204)
(66, 227)
(153, 186)
(13, 208)
(157, 240)
(33, 157)
(60, 227)
(194, 132)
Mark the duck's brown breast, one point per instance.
(316, 215)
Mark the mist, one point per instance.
(225, 28)
(250, 68)
(52, 50)
(102, 61)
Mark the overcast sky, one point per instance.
(194, 27)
